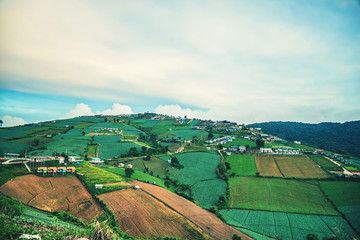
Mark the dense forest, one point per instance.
(336, 137)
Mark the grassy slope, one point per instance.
(242, 165)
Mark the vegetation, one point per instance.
(288, 225)
(330, 136)
(241, 165)
(278, 195)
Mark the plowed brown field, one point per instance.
(213, 226)
(142, 216)
(299, 167)
(53, 194)
(266, 166)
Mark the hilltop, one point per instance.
(152, 176)
(336, 137)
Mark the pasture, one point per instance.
(282, 195)
(288, 225)
(299, 167)
(12, 147)
(266, 166)
(342, 193)
(198, 166)
(73, 146)
(207, 193)
(241, 165)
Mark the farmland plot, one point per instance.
(109, 150)
(201, 217)
(198, 166)
(299, 166)
(240, 142)
(278, 195)
(73, 146)
(143, 216)
(288, 225)
(241, 165)
(325, 163)
(266, 166)
(207, 193)
(54, 194)
(13, 147)
(346, 197)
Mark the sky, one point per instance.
(245, 61)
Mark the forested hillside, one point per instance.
(337, 137)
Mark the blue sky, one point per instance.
(245, 61)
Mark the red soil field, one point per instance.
(142, 216)
(65, 194)
(212, 225)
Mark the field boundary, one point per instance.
(278, 166)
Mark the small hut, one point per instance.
(129, 166)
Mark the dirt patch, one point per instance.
(142, 216)
(54, 194)
(207, 221)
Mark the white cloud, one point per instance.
(80, 109)
(117, 109)
(9, 121)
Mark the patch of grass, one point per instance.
(240, 142)
(8, 172)
(138, 175)
(241, 165)
(283, 195)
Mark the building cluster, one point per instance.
(110, 130)
(55, 170)
(335, 157)
(281, 150)
(237, 149)
(122, 165)
(221, 140)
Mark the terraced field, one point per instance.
(283, 195)
(54, 194)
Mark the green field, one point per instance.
(12, 147)
(351, 168)
(8, 172)
(240, 142)
(241, 165)
(73, 146)
(352, 214)
(342, 193)
(282, 195)
(288, 225)
(104, 139)
(95, 175)
(207, 193)
(138, 176)
(325, 163)
(198, 166)
(110, 150)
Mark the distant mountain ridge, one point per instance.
(336, 137)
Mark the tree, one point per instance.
(36, 142)
(210, 135)
(129, 172)
(236, 237)
(311, 236)
(260, 143)
(227, 165)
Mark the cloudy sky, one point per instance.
(243, 60)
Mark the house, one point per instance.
(61, 160)
(121, 165)
(242, 149)
(129, 166)
(297, 142)
(98, 186)
(74, 160)
(136, 187)
(52, 170)
(266, 150)
(96, 161)
(61, 170)
(70, 169)
(233, 148)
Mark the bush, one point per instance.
(10, 206)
